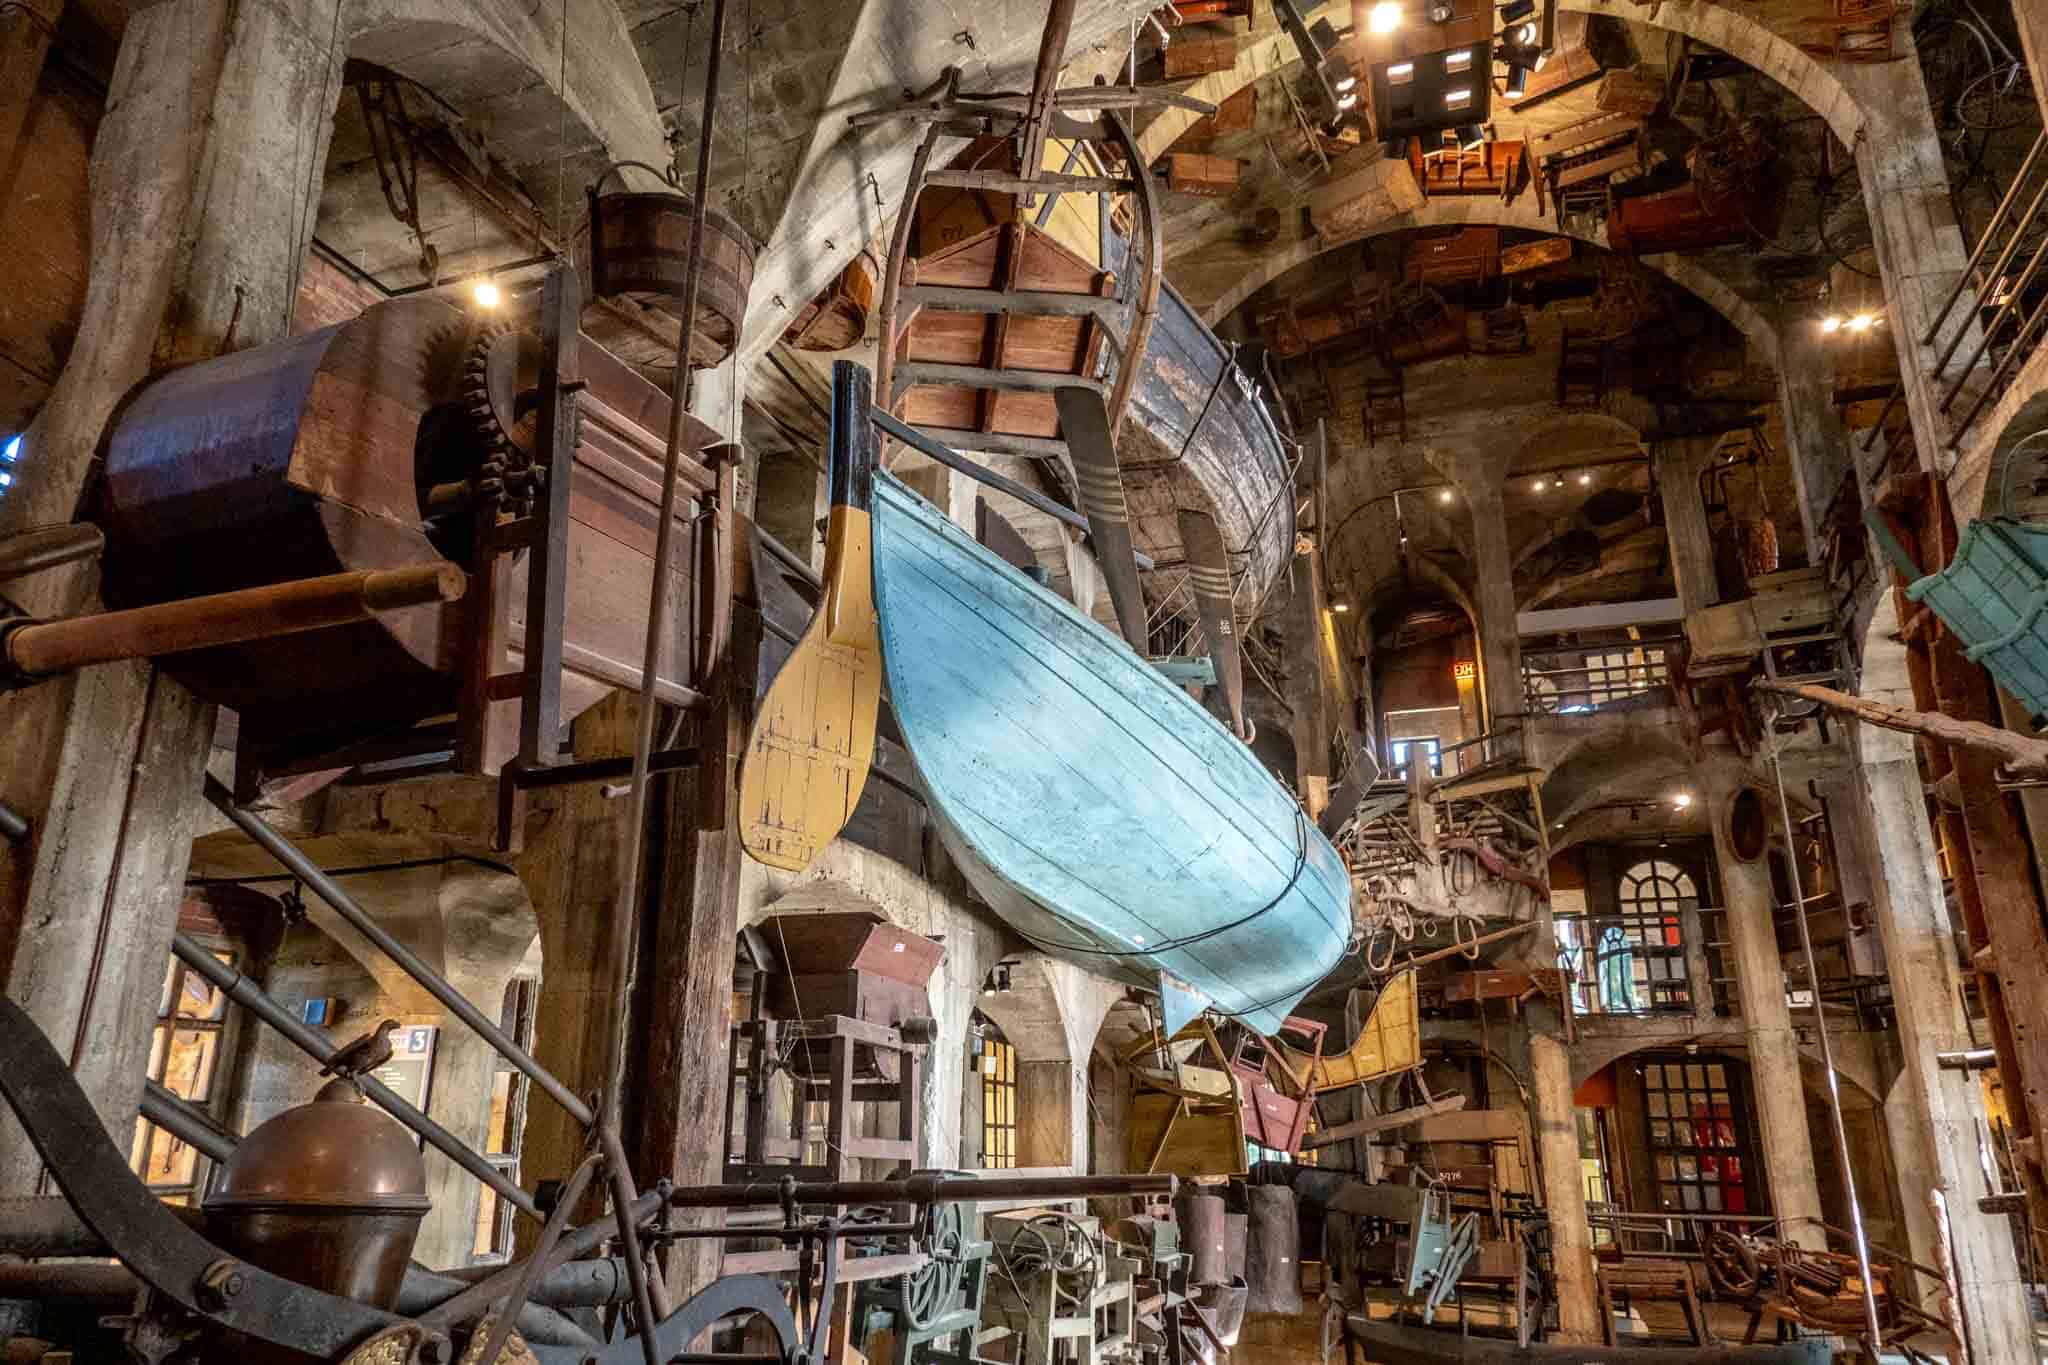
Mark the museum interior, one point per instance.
(1470, 786)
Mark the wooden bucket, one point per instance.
(638, 246)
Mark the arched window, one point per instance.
(995, 1064)
(1640, 955)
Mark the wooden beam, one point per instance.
(689, 978)
(1380, 1123)
(2022, 756)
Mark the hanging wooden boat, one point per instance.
(1097, 808)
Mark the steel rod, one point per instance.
(536, 1264)
(251, 997)
(1997, 271)
(596, 769)
(47, 647)
(46, 547)
(921, 1190)
(327, 889)
(185, 1122)
(981, 473)
(2006, 309)
(626, 918)
(1984, 243)
(574, 1245)
(1827, 1060)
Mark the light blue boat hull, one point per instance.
(1097, 808)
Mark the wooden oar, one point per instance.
(1084, 421)
(1209, 575)
(814, 736)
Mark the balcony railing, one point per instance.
(2009, 300)
(1570, 682)
(1630, 963)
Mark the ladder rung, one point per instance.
(959, 299)
(1045, 182)
(981, 377)
(999, 443)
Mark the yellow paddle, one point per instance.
(814, 735)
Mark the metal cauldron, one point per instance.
(329, 1194)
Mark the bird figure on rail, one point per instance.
(366, 1053)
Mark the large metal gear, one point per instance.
(501, 391)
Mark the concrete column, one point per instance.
(1555, 1121)
(1779, 1093)
(24, 42)
(1932, 1115)
(1920, 248)
(1678, 465)
(1817, 447)
(1500, 639)
(203, 173)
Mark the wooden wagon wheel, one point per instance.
(1732, 1265)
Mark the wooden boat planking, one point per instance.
(1097, 808)
(317, 450)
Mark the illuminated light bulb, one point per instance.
(1340, 607)
(1585, 479)
(1385, 17)
(1526, 35)
(1831, 324)
(488, 295)
(1682, 800)
(1862, 322)
(1444, 496)
(1346, 101)
(1541, 485)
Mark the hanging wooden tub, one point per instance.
(316, 456)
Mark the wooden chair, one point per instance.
(1861, 31)
(1652, 1282)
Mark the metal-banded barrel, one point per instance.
(638, 245)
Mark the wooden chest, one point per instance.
(1468, 256)
(1632, 91)
(1675, 220)
(1193, 173)
(1517, 260)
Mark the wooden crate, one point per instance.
(1199, 57)
(1517, 260)
(1210, 176)
(1467, 256)
(1630, 91)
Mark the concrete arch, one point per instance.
(1687, 272)
(1567, 425)
(502, 47)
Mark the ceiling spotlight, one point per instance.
(1345, 102)
(1525, 35)
(1862, 322)
(1518, 82)
(1585, 479)
(1385, 17)
(1440, 11)
(1444, 496)
(1540, 485)
(1517, 9)
(1831, 324)
(487, 294)
(1340, 607)
(1682, 800)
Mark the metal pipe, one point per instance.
(1976, 1059)
(13, 824)
(577, 1243)
(42, 648)
(596, 769)
(46, 547)
(536, 1264)
(2019, 289)
(1984, 242)
(2004, 259)
(1827, 1059)
(598, 1282)
(1993, 387)
(922, 1190)
(787, 557)
(623, 933)
(251, 997)
(327, 889)
(186, 1122)
(981, 473)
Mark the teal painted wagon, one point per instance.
(1992, 596)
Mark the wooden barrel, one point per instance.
(638, 246)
